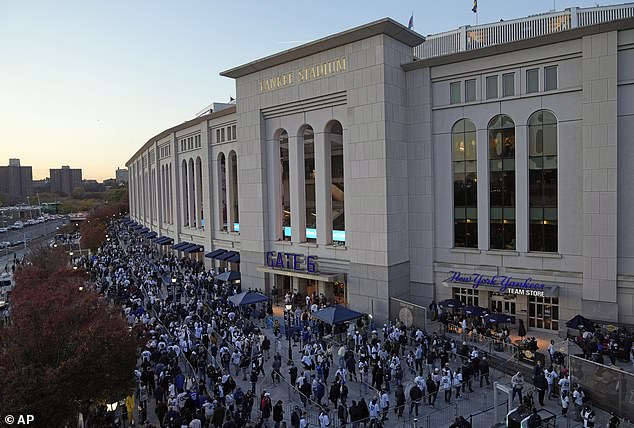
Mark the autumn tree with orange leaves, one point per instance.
(65, 346)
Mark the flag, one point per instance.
(411, 22)
(475, 6)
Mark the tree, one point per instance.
(66, 345)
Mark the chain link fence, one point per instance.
(408, 313)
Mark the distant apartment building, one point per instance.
(121, 175)
(15, 180)
(65, 180)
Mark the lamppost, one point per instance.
(173, 290)
(71, 258)
(287, 316)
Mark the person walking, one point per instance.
(517, 382)
(541, 385)
(278, 413)
(445, 384)
(484, 371)
(399, 394)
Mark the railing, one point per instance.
(475, 37)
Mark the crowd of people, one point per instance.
(207, 363)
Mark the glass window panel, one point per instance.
(459, 234)
(550, 214)
(337, 195)
(492, 87)
(459, 213)
(509, 213)
(535, 187)
(509, 164)
(470, 90)
(532, 80)
(454, 89)
(536, 214)
(458, 147)
(536, 163)
(459, 190)
(496, 165)
(535, 238)
(309, 181)
(550, 162)
(550, 139)
(496, 213)
(470, 152)
(508, 85)
(471, 166)
(472, 213)
(285, 198)
(550, 78)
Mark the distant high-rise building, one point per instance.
(15, 180)
(121, 175)
(65, 180)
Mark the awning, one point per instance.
(137, 227)
(149, 235)
(234, 259)
(226, 255)
(163, 240)
(193, 248)
(228, 276)
(321, 276)
(180, 245)
(336, 314)
(215, 253)
(247, 298)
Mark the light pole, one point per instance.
(173, 290)
(287, 314)
(71, 258)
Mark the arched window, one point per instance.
(191, 182)
(337, 195)
(308, 139)
(502, 183)
(235, 211)
(222, 191)
(465, 181)
(199, 192)
(284, 186)
(542, 184)
(185, 195)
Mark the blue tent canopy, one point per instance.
(228, 276)
(337, 314)
(247, 298)
(474, 311)
(451, 304)
(580, 323)
(499, 318)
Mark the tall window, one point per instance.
(233, 158)
(336, 185)
(185, 194)
(309, 184)
(199, 192)
(454, 92)
(468, 296)
(222, 191)
(542, 152)
(502, 182)
(465, 197)
(492, 87)
(543, 312)
(285, 191)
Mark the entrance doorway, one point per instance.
(503, 303)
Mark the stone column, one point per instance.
(482, 144)
(599, 68)
(521, 189)
(323, 179)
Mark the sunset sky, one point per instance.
(86, 83)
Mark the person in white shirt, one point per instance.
(385, 405)
(324, 420)
(551, 378)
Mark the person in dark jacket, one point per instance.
(295, 417)
(355, 414)
(278, 413)
(342, 414)
(415, 395)
(432, 390)
(484, 371)
(400, 400)
(541, 384)
(333, 396)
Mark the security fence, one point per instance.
(607, 387)
(408, 313)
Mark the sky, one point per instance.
(87, 83)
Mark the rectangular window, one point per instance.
(532, 81)
(468, 296)
(454, 89)
(465, 184)
(218, 136)
(233, 132)
(222, 135)
(492, 87)
(550, 78)
(470, 90)
(508, 85)
(502, 184)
